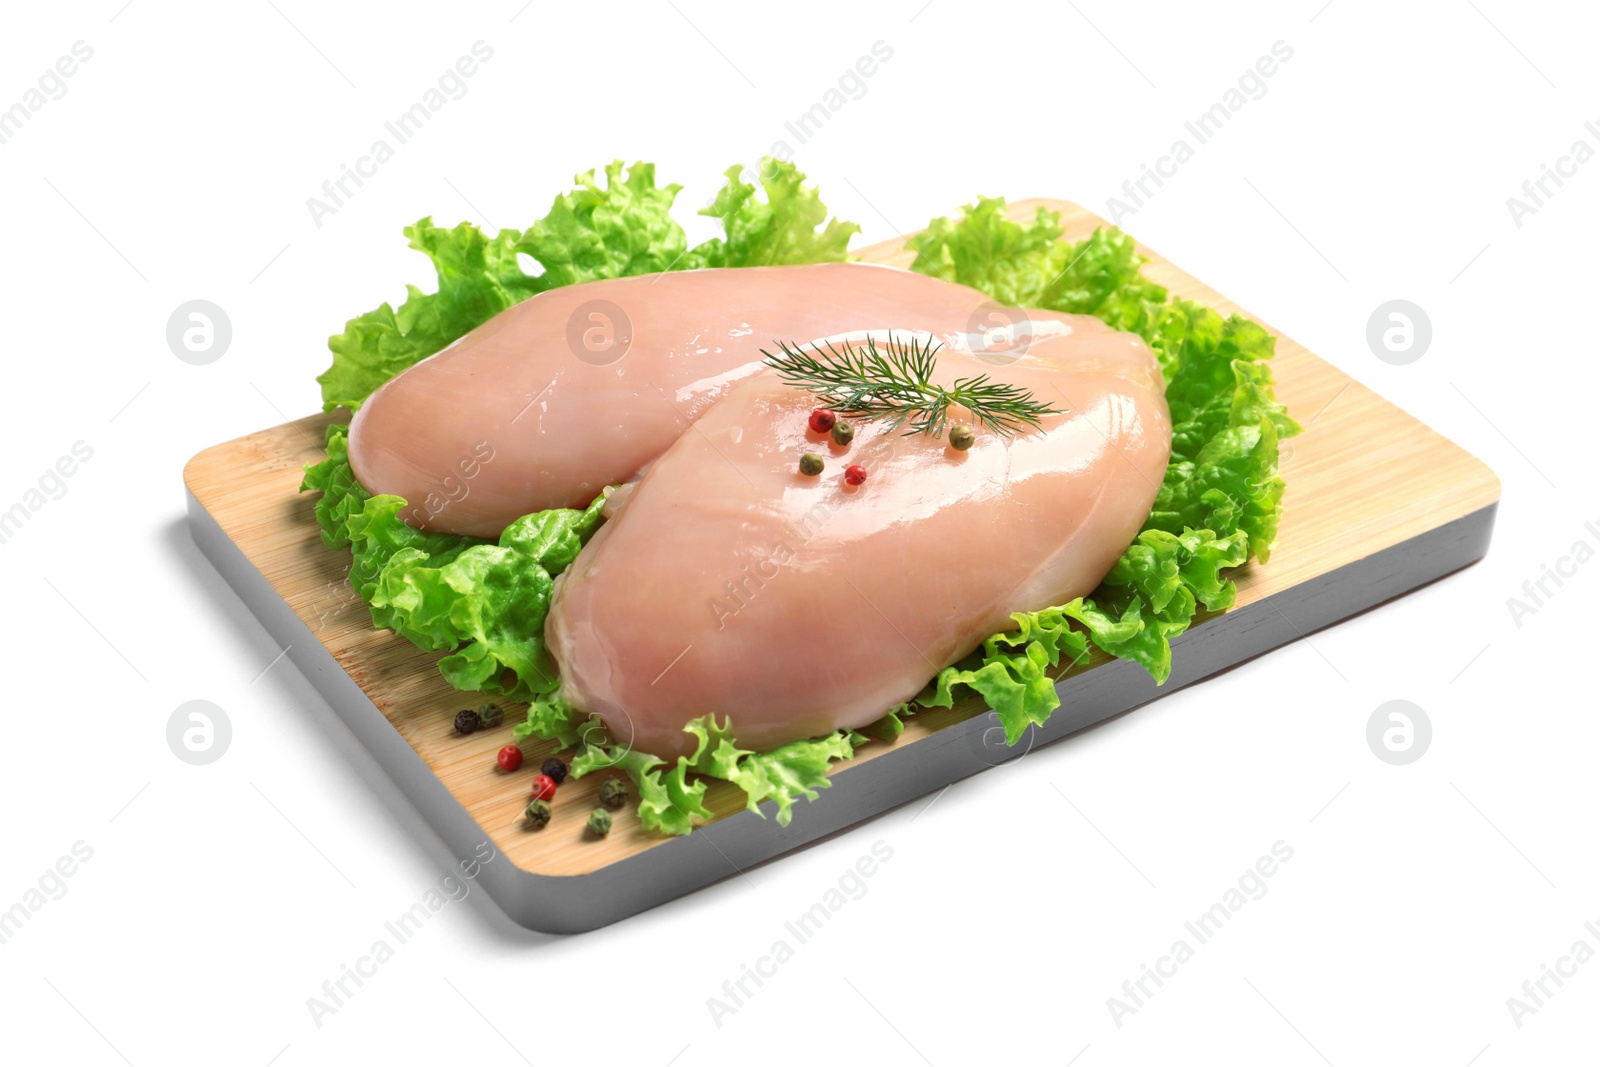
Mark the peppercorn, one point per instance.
(538, 814)
(599, 822)
(613, 792)
(555, 768)
(510, 758)
(466, 721)
(962, 437)
(855, 474)
(810, 464)
(843, 433)
(491, 714)
(544, 787)
(822, 420)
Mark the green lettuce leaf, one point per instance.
(341, 495)
(553, 718)
(485, 602)
(478, 278)
(789, 772)
(784, 775)
(892, 725)
(1027, 265)
(379, 537)
(778, 230)
(669, 802)
(714, 752)
(1011, 671)
(672, 797)
(614, 230)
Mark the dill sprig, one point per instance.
(894, 382)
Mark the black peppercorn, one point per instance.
(613, 792)
(555, 768)
(466, 721)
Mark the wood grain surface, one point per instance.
(1363, 477)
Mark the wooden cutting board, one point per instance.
(1349, 539)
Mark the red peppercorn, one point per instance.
(510, 758)
(822, 420)
(855, 474)
(544, 787)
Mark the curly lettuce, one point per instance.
(781, 229)
(1028, 265)
(672, 796)
(614, 230)
(478, 277)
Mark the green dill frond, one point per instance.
(893, 381)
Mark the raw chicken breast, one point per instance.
(729, 583)
(578, 388)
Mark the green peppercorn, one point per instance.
(811, 464)
(599, 822)
(962, 437)
(843, 433)
(538, 814)
(491, 714)
(613, 792)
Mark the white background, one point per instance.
(219, 898)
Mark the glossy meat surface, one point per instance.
(578, 388)
(728, 583)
